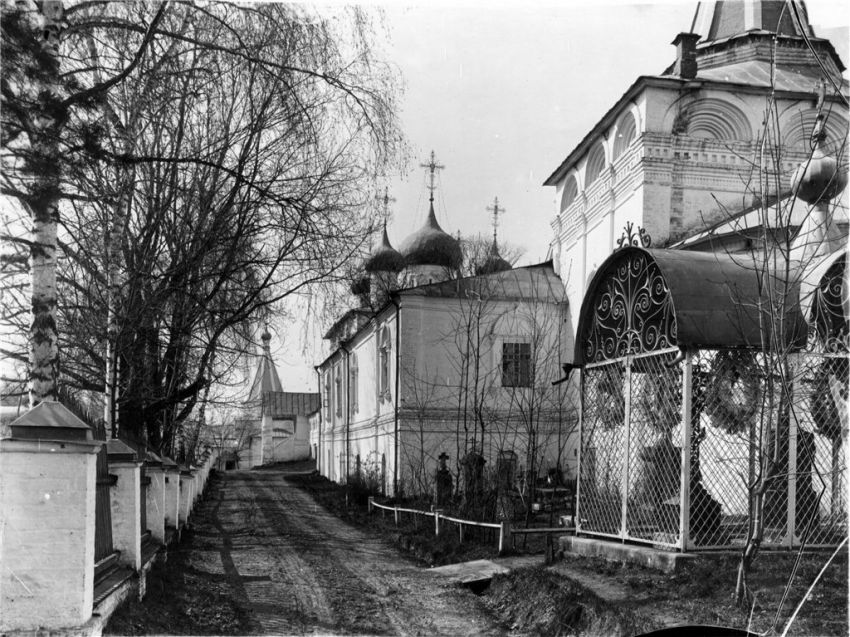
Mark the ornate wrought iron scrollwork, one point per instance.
(831, 327)
(632, 312)
(639, 239)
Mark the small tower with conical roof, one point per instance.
(494, 261)
(265, 378)
(430, 254)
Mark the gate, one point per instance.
(629, 484)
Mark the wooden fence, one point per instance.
(507, 535)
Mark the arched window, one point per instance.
(353, 389)
(595, 164)
(384, 351)
(626, 131)
(570, 192)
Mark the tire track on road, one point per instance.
(392, 594)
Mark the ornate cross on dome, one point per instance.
(432, 166)
(385, 200)
(496, 210)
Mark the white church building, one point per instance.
(431, 364)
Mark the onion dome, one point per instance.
(385, 258)
(360, 285)
(493, 263)
(821, 178)
(430, 245)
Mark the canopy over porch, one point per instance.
(643, 300)
(696, 367)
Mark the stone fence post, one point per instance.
(47, 521)
(172, 492)
(125, 501)
(187, 492)
(155, 500)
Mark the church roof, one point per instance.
(431, 245)
(719, 20)
(349, 322)
(385, 258)
(731, 32)
(533, 282)
(529, 283)
(751, 221)
(265, 378)
(757, 73)
(286, 405)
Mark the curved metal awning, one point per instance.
(644, 300)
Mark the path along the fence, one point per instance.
(294, 568)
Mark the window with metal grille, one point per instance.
(516, 364)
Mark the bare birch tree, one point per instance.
(224, 171)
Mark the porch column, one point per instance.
(687, 432)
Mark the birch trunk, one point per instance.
(44, 349)
(115, 283)
(44, 207)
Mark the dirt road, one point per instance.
(295, 569)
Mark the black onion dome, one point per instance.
(820, 178)
(430, 245)
(385, 258)
(493, 263)
(360, 285)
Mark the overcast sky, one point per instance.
(502, 92)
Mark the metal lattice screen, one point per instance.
(727, 397)
(821, 469)
(749, 416)
(630, 476)
(776, 422)
(603, 449)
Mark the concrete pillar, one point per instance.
(155, 500)
(125, 499)
(172, 492)
(47, 521)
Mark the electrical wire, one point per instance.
(805, 36)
